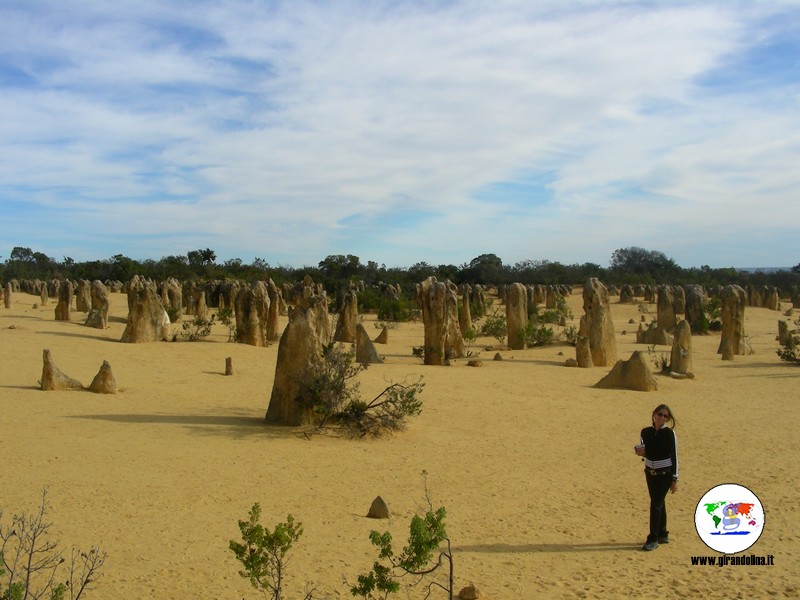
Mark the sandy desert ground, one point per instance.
(545, 498)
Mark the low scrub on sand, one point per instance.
(334, 395)
(495, 326)
(263, 554)
(420, 564)
(425, 563)
(789, 351)
(197, 329)
(31, 561)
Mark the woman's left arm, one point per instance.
(674, 487)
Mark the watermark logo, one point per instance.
(729, 518)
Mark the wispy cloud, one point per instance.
(401, 132)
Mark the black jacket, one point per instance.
(661, 449)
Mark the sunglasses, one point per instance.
(664, 415)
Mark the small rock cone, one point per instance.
(378, 510)
(383, 337)
(104, 382)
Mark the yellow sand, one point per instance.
(544, 495)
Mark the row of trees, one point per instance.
(627, 265)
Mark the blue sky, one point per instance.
(401, 131)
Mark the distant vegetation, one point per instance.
(627, 265)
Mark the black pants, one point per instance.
(658, 486)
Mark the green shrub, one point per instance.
(562, 308)
(469, 336)
(571, 335)
(426, 535)
(790, 351)
(478, 309)
(495, 326)
(385, 413)
(333, 394)
(227, 317)
(537, 334)
(474, 309)
(701, 326)
(197, 329)
(332, 383)
(396, 310)
(387, 309)
(660, 360)
(712, 313)
(551, 315)
(645, 310)
(710, 318)
(263, 552)
(368, 300)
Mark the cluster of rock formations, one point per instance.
(539, 294)
(757, 296)
(54, 380)
(148, 320)
(153, 308)
(690, 301)
(670, 303)
(171, 293)
(256, 308)
(50, 289)
(596, 347)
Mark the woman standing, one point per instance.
(659, 447)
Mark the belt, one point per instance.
(655, 472)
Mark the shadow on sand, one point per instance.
(550, 548)
(22, 387)
(78, 335)
(238, 426)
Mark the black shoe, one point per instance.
(664, 539)
(650, 546)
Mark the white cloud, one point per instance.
(291, 128)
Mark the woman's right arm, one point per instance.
(640, 449)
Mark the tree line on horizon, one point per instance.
(631, 265)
